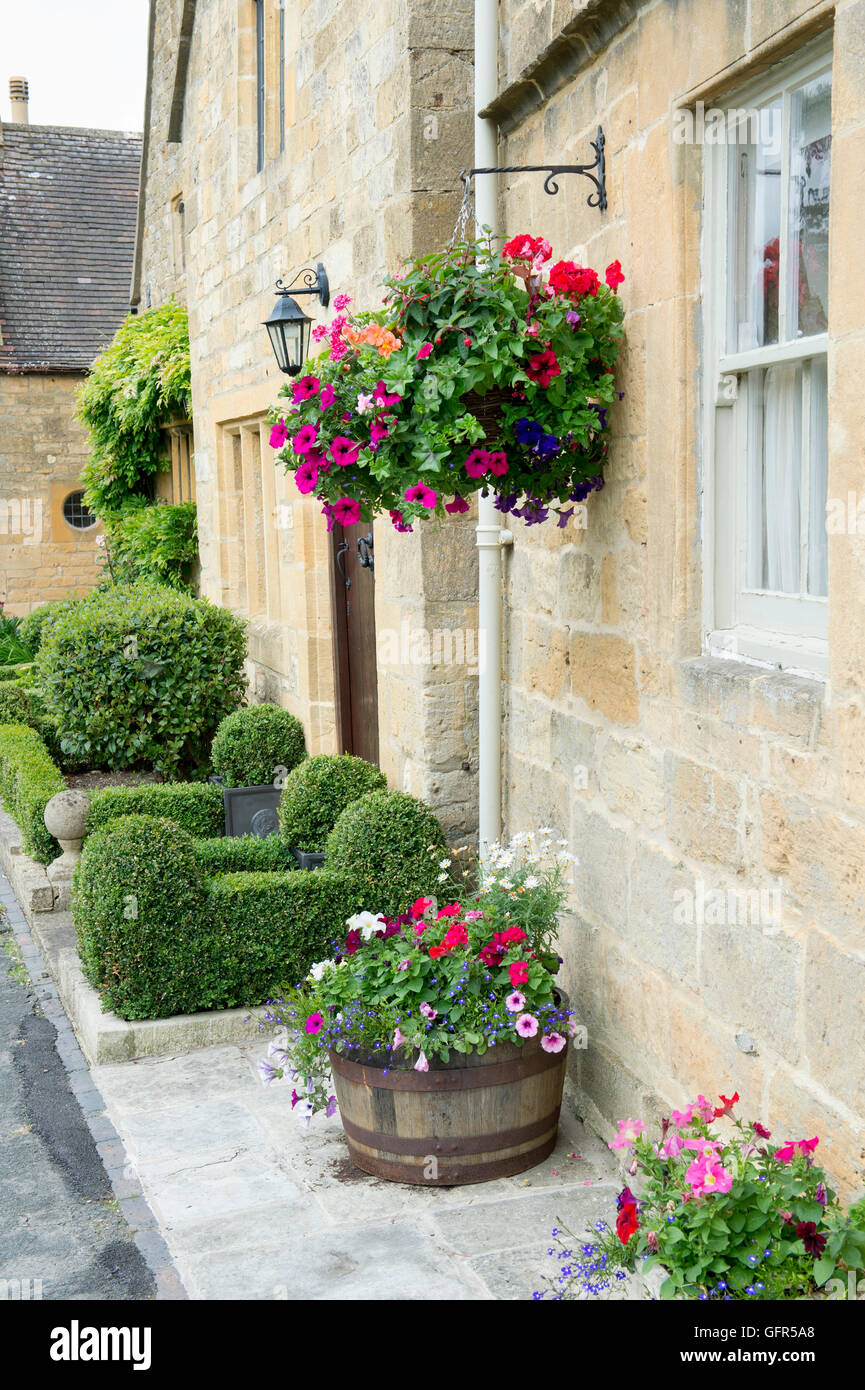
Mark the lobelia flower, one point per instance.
(457, 506)
(527, 1025)
(278, 435)
(420, 493)
(304, 389)
(515, 1002)
(344, 451)
(305, 439)
(629, 1133)
(346, 511)
(552, 1042)
(421, 1064)
(314, 1023)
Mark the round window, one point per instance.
(77, 514)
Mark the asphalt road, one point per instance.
(58, 1220)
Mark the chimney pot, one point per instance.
(19, 94)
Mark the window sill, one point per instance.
(748, 695)
(807, 657)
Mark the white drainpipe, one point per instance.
(490, 536)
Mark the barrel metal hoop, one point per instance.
(461, 1079)
(459, 1144)
(453, 1174)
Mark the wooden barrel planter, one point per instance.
(479, 1117)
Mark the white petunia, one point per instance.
(316, 971)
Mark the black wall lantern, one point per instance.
(288, 325)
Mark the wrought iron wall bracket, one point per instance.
(596, 172)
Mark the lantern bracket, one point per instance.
(596, 171)
(308, 282)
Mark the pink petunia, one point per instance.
(477, 463)
(672, 1145)
(399, 522)
(327, 397)
(421, 1064)
(428, 1011)
(788, 1151)
(683, 1117)
(383, 397)
(498, 464)
(304, 389)
(629, 1132)
(344, 451)
(420, 493)
(705, 1109)
(424, 352)
(707, 1178)
(398, 1038)
(306, 477)
(378, 432)
(346, 511)
(527, 1025)
(552, 1042)
(403, 965)
(515, 1002)
(457, 506)
(314, 1023)
(305, 439)
(278, 435)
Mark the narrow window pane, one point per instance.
(811, 140)
(775, 476)
(755, 221)
(818, 579)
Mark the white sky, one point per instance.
(85, 60)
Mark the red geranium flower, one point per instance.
(452, 910)
(419, 907)
(613, 275)
(574, 280)
(511, 935)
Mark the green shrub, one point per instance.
(139, 905)
(390, 844)
(156, 938)
(233, 854)
(28, 780)
(317, 792)
(17, 672)
(140, 674)
(35, 626)
(157, 543)
(195, 806)
(252, 746)
(15, 705)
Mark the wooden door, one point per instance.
(355, 669)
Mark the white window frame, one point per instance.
(778, 630)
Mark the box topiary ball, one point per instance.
(390, 844)
(258, 745)
(138, 903)
(317, 792)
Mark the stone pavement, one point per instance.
(62, 1233)
(251, 1207)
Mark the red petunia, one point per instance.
(437, 951)
(452, 910)
(626, 1221)
(419, 907)
(352, 941)
(519, 972)
(727, 1107)
(543, 367)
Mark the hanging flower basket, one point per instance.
(490, 370)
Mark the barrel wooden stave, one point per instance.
(476, 1129)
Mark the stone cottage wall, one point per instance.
(42, 452)
(377, 129)
(674, 774)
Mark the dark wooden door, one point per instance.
(356, 675)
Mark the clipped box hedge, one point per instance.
(158, 937)
(28, 780)
(195, 806)
(233, 854)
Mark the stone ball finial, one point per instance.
(66, 818)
